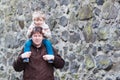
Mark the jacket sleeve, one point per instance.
(58, 60)
(46, 29)
(18, 64)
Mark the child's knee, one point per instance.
(46, 41)
(28, 43)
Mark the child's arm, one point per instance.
(30, 29)
(46, 30)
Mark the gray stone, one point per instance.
(118, 78)
(63, 21)
(94, 51)
(73, 17)
(57, 78)
(54, 39)
(97, 11)
(35, 5)
(95, 71)
(85, 13)
(14, 28)
(20, 8)
(1, 29)
(65, 50)
(43, 4)
(118, 30)
(113, 13)
(103, 62)
(80, 58)
(88, 33)
(109, 11)
(100, 2)
(1, 15)
(95, 24)
(108, 79)
(103, 33)
(10, 41)
(67, 64)
(52, 3)
(65, 36)
(116, 55)
(76, 4)
(21, 21)
(71, 47)
(91, 77)
(64, 2)
(74, 67)
(107, 48)
(89, 63)
(74, 38)
(115, 44)
(52, 23)
(71, 56)
(69, 78)
(118, 1)
(2, 68)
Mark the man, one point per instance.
(38, 68)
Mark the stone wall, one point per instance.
(85, 32)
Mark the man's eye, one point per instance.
(35, 36)
(39, 36)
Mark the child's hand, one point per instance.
(45, 30)
(48, 57)
(26, 55)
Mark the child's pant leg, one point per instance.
(48, 46)
(27, 45)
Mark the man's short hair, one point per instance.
(35, 30)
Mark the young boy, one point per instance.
(38, 18)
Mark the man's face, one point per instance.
(37, 38)
(38, 21)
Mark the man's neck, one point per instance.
(37, 46)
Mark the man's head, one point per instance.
(38, 18)
(37, 36)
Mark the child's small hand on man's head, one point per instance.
(43, 31)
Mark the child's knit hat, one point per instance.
(38, 14)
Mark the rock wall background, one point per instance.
(85, 32)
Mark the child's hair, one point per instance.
(36, 29)
(38, 14)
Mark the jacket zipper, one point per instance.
(37, 49)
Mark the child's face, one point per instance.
(38, 21)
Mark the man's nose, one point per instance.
(37, 37)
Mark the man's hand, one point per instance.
(48, 57)
(26, 55)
